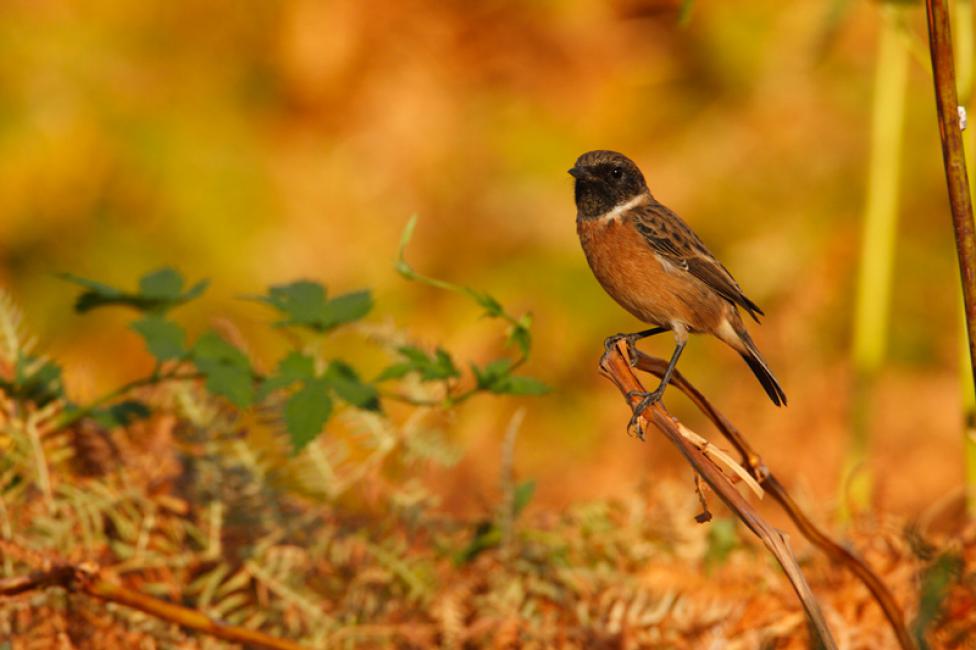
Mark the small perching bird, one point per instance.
(656, 268)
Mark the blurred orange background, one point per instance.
(258, 142)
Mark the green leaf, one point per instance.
(91, 285)
(210, 348)
(492, 307)
(165, 339)
(226, 368)
(496, 377)
(523, 495)
(196, 290)
(97, 294)
(347, 385)
(396, 371)
(492, 374)
(295, 366)
(306, 412)
(41, 385)
(303, 303)
(414, 355)
(165, 284)
(159, 292)
(121, 414)
(434, 367)
(520, 336)
(937, 580)
(46, 375)
(346, 309)
(443, 367)
(232, 383)
(485, 536)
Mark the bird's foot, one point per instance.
(611, 342)
(647, 399)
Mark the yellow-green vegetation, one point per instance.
(877, 260)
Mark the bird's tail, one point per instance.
(750, 353)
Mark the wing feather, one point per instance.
(672, 239)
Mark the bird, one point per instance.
(654, 266)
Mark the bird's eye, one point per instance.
(616, 172)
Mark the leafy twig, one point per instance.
(496, 376)
(71, 416)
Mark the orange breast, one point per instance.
(642, 282)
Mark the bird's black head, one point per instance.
(604, 180)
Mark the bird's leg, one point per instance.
(631, 339)
(654, 396)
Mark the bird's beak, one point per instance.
(577, 173)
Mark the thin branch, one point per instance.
(56, 577)
(70, 417)
(954, 159)
(616, 367)
(448, 401)
(412, 401)
(89, 580)
(757, 467)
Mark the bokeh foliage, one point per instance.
(245, 146)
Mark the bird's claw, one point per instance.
(611, 341)
(647, 399)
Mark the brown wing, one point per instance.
(672, 239)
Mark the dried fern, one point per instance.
(15, 344)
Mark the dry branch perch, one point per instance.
(761, 473)
(954, 159)
(615, 366)
(88, 579)
(951, 116)
(716, 455)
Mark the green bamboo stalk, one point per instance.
(877, 249)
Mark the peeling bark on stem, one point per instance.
(758, 469)
(954, 159)
(616, 367)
